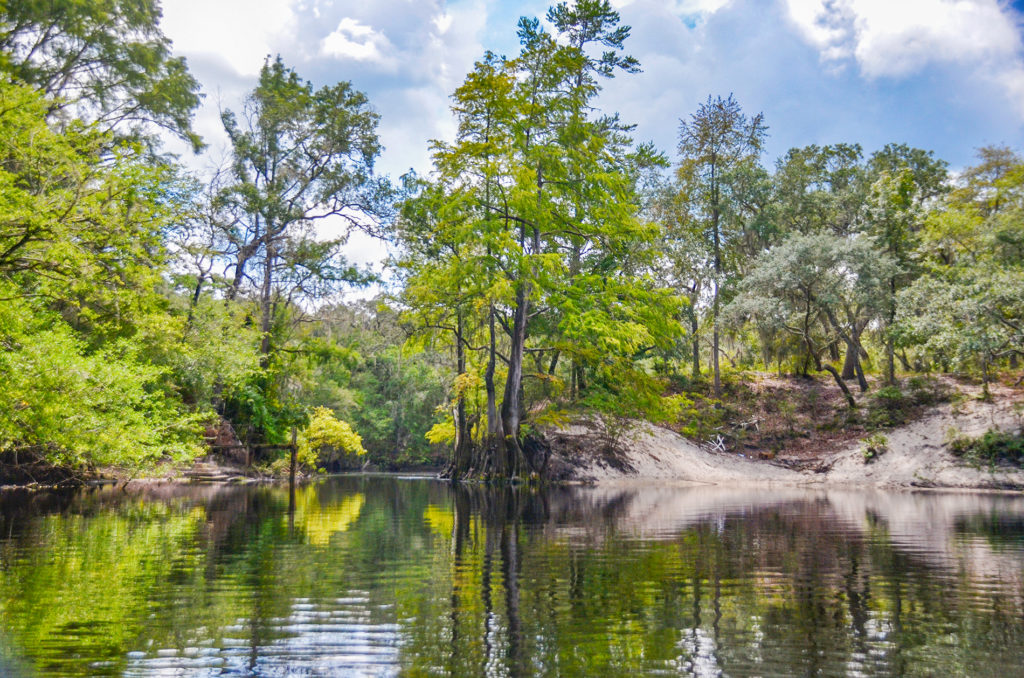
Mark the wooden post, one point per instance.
(295, 456)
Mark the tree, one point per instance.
(905, 182)
(105, 61)
(820, 189)
(81, 257)
(894, 218)
(716, 146)
(531, 227)
(967, 310)
(300, 156)
(84, 216)
(819, 289)
(824, 190)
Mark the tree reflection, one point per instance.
(364, 575)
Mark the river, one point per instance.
(388, 576)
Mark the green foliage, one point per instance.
(546, 268)
(888, 407)
(875, 445)
(79, 408)
(818, 289)
(108, 60)
(326, 433)
(529, 240)
(299, 154)
(927, 390)
(992, 447)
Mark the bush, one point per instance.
(927, 391)
(888, 407)
(892, 406)
(875, 445)
(327, 433)
(992, 447)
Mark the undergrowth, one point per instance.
(993, 447)
(893, 406)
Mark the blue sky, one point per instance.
(944, 75)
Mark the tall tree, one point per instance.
(104, 61)
(824, 190)
(299, 156)
(967, 309)
(716, 147)
(539, 192)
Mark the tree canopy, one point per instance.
(547, 268)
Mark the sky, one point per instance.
(943, 75)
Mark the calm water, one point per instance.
(381, 576)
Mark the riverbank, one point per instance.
(767, 430)
(915, 454)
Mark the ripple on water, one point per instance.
(381, 577)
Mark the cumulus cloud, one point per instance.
(684, 6)
(888, 38)
(698, 6)
(198, 28)
(355, 40)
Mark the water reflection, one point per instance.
(381, 576)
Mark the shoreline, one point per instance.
(916, 456)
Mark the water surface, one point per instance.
(383, 576)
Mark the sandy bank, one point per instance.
(917, 456)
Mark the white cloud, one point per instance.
(683, 7)
(442, 22)
(698, 6)
(355, 40)
(1012, 82)
(899, 37)
(240, 32)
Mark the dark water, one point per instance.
(380, 576)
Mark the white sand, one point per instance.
(917, 456)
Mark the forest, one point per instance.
(548, 266)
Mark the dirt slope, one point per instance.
(917, 456)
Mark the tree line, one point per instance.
(547, 265)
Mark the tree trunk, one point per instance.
(850, 360)
(714, 336)
(717, 237)
(890, 344)
(842, 384)
(245, 253)
(493, 421)
(851, 364)
(861, 381)
(833, 350)
(463, 452)
(902, 355)
(266, 316)
(890, 362)
(510, 404)
(695, 341)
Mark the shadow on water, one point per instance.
(361, 575)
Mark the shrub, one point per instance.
(993, 446)
(926, 390)
(888, 407)
(875, 445)
(326, 432)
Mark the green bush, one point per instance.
(926, 390)
(992, 447)
(875, 445)
(888, 407)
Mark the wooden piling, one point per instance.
(295, 457)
